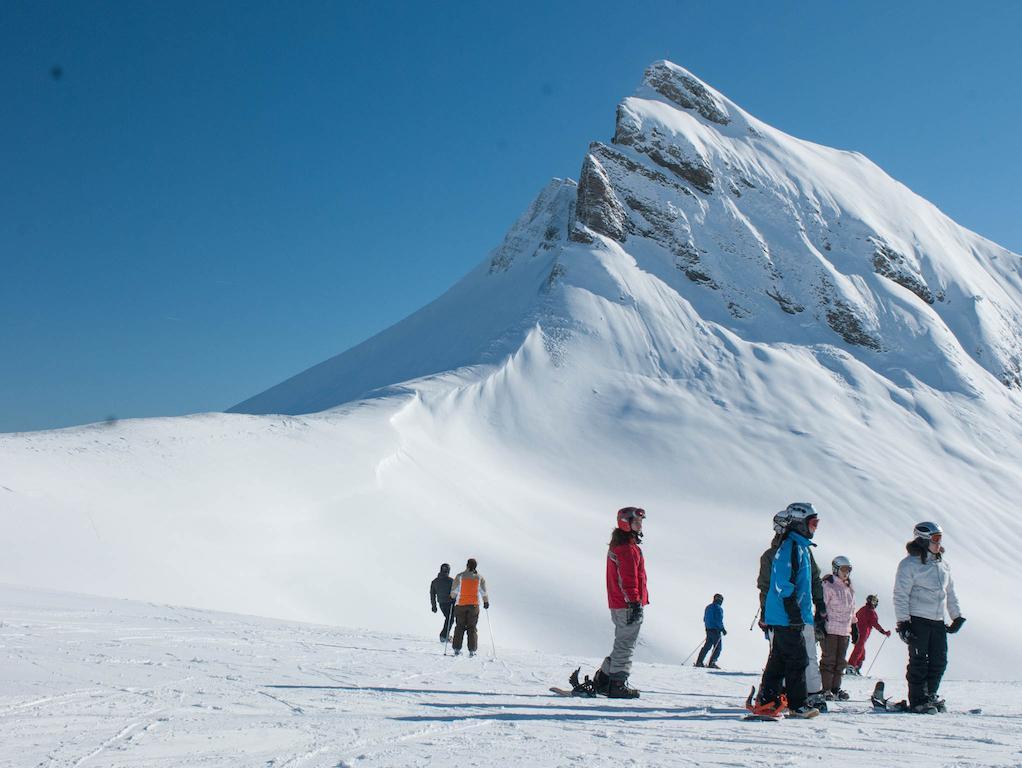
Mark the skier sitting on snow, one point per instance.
(713, 620)
(839, 595)
(814, 683)
(866, 620)
(626, 595)
(468, 589)
(440, 592)
(923, 595)
(789, 608)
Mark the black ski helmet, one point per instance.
(445, 568)
(718, 598)
(873, 600)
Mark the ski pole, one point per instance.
(450, 628)
(489, 628)
(876, 654)
(754, 619)
(700, 645)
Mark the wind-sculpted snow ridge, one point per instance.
(89, 681)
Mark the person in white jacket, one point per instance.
(924, 595)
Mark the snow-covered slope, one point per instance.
(96, 682)
(717, 320)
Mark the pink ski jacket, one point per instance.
(840, 600)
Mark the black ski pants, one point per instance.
(714, 642)
(466, 618)
(927, 659)
(446, 609)
(786, 666)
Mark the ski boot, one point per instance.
(923, 708)
(619, 690)
(712, 665)
(471, 654)
(699, 664)
(817, 700)
(938, 703)
(804, 712)
(840, 694)
(601, 683)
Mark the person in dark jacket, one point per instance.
(440, 594)
(713, 621)
(626, 596)
(788, 609)
(814, 681)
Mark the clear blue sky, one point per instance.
(214, 196)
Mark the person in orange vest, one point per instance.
(468, 591)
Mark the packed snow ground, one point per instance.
(98, 682)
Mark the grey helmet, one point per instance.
(840, 562)
(926, 531)
(799, 515)
(781, 520)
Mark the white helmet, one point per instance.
(840, 562)
(926, 531)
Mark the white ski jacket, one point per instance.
(924, 589)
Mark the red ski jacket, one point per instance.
(626, 576)
(866, 618)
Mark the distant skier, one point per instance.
(468, 590)
(839, 596)
(713, 621)
(814, 683)
(924, 594)
(440, 593)
(788, 610)
(866, 620)
(626, 596)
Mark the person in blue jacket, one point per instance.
(789, 607)
(713, 620)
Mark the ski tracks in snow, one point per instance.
(242, 691)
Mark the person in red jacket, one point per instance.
(865, 620)
(626, 596)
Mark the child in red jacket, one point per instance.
(865, 620)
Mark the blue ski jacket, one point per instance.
(713, 616)
(790, 599)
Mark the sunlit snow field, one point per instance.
(97, 682)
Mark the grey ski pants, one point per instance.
(814, 681)
(618, 665)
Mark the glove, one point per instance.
(724, 631)
(955, 625)
(634, 613)
(486, 605)
(855, 633)
(820, 625)
(762, 625)
(434, 609)
(904, 630)
(792, 609)
(887, 633)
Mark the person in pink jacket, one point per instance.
(839, 597)
(866, 620)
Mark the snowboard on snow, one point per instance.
(585, 690)
(884, 704)
(756, 716)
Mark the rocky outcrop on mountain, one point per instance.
(759, 235)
